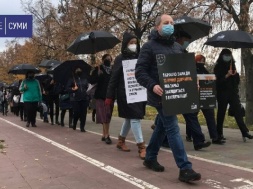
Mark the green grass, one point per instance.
(151, 112)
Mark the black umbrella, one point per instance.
(231, 39)
(196, 28)
(42, 77)
(23, 69)
(51, 70)
(49, 63)
(65, 70)
(93, 42)
(14, 84)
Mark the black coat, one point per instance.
(117, 86)
(226, 85)
(80, 93)
(146, 71)
(102, 81)
(201, 68)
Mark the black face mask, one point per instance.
(107, 62)
(30, 76)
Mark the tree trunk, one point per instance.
(248, 63)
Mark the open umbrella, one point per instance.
(195, 27)
(42, 77)
(64, 71)
(14, 84)
(93, 42)
(231, 39)
(48, 63)
(23, 69)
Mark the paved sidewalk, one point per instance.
(58, 158)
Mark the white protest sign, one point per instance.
(134, 91)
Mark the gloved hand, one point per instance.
(108, 101)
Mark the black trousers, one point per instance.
(225, 98)
(210, 121)
(53, 100)
(31, 110)
(79, 112)
(63, 112)
(22, 112)
(193, 127)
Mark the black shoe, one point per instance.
(247, 135)
(74, 128)
(202, 145)
(188, 175)
(33, 125)
(45, 121)
(108, 140)
(221, 137)
(218, 141)
(83, 130)
(93, 118)
(154, 165)
(62, 124)
(103, 139)
(52, 123)
(188, 139)
(27, 124)
(58, 123)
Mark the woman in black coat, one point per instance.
(133, 112)
(227, 81)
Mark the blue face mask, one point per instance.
(167, 30)
(186, 44)
(226, 58)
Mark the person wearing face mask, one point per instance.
(77, 87)
(183, 38)
(30, 87)
(193, 128)
(227, 81)
(133, 112)
(208, 113)
(162, 42)
(101, 76)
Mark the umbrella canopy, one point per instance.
(42, 77)
(48, 63)
(64, 71)
(14, 84)
(51, 70)
(23, 69)
(231, 39)
(195, 27)
(93, 42)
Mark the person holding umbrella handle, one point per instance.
(227, 82)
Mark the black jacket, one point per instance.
(117, 86)
(226, 85)
(146, 71)
(201, 68)
(80, 93)
(102, 81)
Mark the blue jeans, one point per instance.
(168, 125)
(135, 125)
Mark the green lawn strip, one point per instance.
(229, 122)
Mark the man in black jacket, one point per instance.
(162, 42)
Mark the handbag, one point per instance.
(232, 113)
(64, 97)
